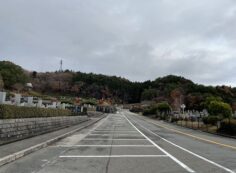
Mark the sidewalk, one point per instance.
(15, 150)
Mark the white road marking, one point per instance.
(98, 139)
(168, 154)
(114, 156)
(188, 151)
(132, 131)
(116, 134)
(108, 133)
(91, 134)
(104, 146)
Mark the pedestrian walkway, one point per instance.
(10, 151)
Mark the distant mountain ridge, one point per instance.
(173, 89)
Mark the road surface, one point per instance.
(128, 143)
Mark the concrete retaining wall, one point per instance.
(16, 129)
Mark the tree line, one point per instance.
(171, 89)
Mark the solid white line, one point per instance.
(91, 134)
(114, 131)
(113, 146)
(114, 134)
(190, 152)
(94, 139)
(168, 154)
(114, 156)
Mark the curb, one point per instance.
(22, 153)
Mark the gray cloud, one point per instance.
(137, 39)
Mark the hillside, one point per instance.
(173, 89)
(86, 85)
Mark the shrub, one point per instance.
(136, 109)
(228, 127)
(150, 111)
(12, 112)
(163, 107)
(221, 109)
(210, 120)
(174, 119)
(158, 109)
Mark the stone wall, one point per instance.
(16, 129)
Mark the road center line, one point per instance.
(188, 151)
(168, 154)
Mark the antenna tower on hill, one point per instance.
(61, 64)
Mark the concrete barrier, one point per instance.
(17, 129)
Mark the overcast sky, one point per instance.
(136, 39)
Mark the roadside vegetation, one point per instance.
(14, 112)
(89, 85)
(12, 76)
(160, 110)
(165, 94)
(219, 120)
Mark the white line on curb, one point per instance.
(168, 154)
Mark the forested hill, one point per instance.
(173, 89)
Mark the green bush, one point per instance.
(227, 127)
(221, 109)
(210, 120)
(161, 108)
(11, 112)
(136, 109)
(174, 119)
(150, 111)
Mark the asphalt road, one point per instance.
(128, 143)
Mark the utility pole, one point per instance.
(60, 71)
(61, 64)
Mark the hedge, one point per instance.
(210, 120)
(228, 127)
(136, 109)
(12, 112)
(150, 111)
